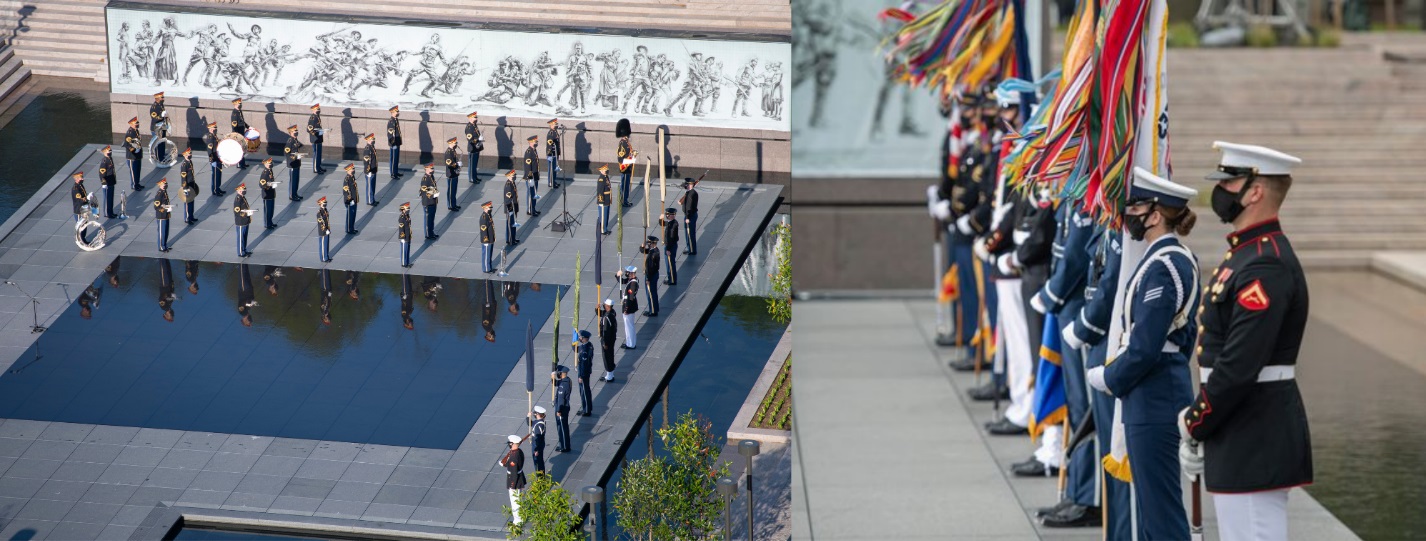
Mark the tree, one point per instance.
(780, 303)
(547, 511)
(675, 496)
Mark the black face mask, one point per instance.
(1137, 226)
(1228, 205)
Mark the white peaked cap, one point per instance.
(1150, 187)
(1241, 160)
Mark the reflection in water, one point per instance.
(280, 357)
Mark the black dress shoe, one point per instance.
(1074, 516)
(1004, 427)
(246, 254)
(270, 227)
(964, 365)
(580, 413)
(354, 231)
(139, 187)
(1033, 468)
(987, 392)
(668, 283)
(457, 209)
(1047, 511)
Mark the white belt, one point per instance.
(1276, 372)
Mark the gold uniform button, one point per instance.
(1233, 240)
(1200, 329)
(1228, 256)
(1198, 350)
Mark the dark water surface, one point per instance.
(43, 137)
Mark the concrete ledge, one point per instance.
(740, 429)
(238, 521)
(1408, 267)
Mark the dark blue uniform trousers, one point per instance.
(964, 311)
(293, 175)
(1079, 480)
(1114, 493)
(690, 232)
(450, 194)
(1158, 493)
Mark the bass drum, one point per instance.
(230, 151)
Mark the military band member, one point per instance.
(474, 144)
(689, 200)
(393, 140)
(368, 158)
(562, 390)
(585, 371)
(268, 186)
(294, 162)
(317, 135)
(162, 212)
(603, 198)
(165, 289)
(78, 196)
(242, 218)
(158, 118)
(403, 232)
(1249, 414)
(324, 232)
(187, 186)
(429, 199)
(1150, 373)
(107, 179)
(608, 333)
(553, 152)
(626, 154)
(134, 152)
(487, 238)
(514, 462)
(630, 279)
(452, 174)
(532, 175)
(215, 165)
(240, 127)
(670, 246)
(512, 206)
(650, 249)
(537, 438)
(350, 197)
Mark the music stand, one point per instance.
(565, 221)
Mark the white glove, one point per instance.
(1190, 458)
(941, 210)
(274, 184)
(1096, 379)
(999, 213)
(980, 252)
(1071, 339)
(963, 225)
(1019, 236)
(1037, 304)
(1007, 264)
(1183, 424)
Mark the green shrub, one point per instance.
(675, 497)
(546, 511)
(1261, 36)
(1182, 35)
(1328, 37)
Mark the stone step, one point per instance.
(78, 27)
(1358, 225)
(1344, 259)
(60, 68)
(1243, 129)
(93, 39)
(46, 13)
(1318, 160)
(1349, 241)
(1367, 189)
(13, 73)
(30, 42)
(31, 51)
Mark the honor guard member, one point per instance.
(690, 215)
(215, 165)
(607, 335)
(452, 174)
(650, 249)
(1249, 414)
(514, 462)
(134, 152)
(626, 155)
(240, 127)
(294, 162)
(187, 186)
(603, 198)
(670, 247)
(585, 366)
(512, 206)
(474, 144)
(403, 232)
(368, 158)
(631, 306)
(246, 296)
(553, 152)
(487, 237)
(393, 140)
(1150, 373)
(165, 289)
(268, 185)
(537, 438)
(562, 390)
(78, 196)
(1063, 296)
(157, 118)
(429, 199)
(350, 197)
(532, 176)
(315, 132)
(242, 217)
(107, 179)
(1034, 238)
(162, 212)
(324, 232)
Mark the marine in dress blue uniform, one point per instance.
(1150, 372)
(1249, 417)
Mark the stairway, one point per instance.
(12, 72)
(63, 38)
(1358, 124)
